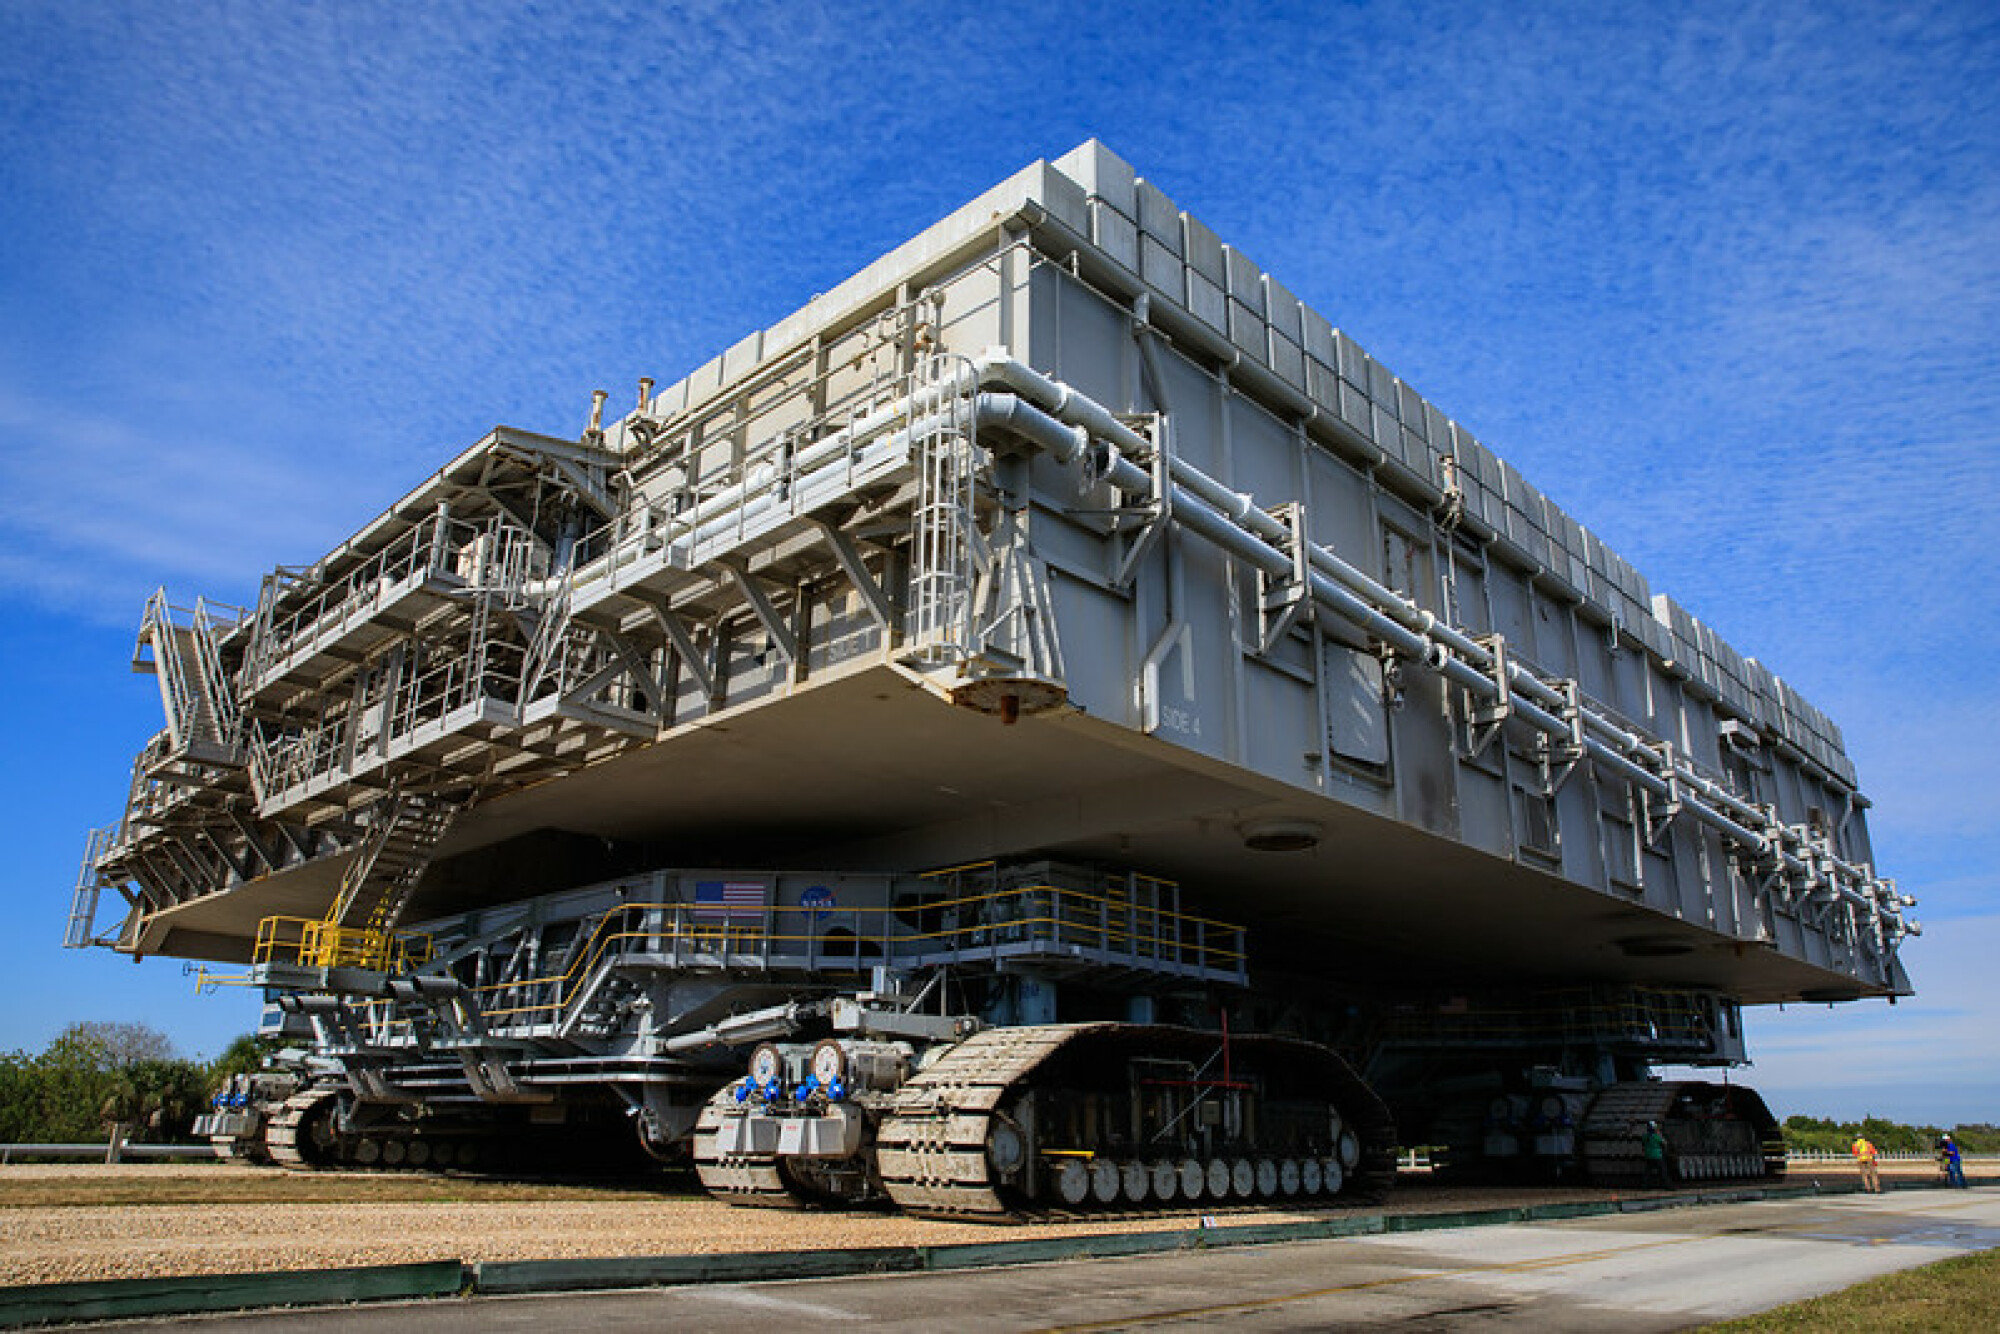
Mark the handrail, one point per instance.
(429, 547)
(689, 430)
(1226, 953)
(158, 625)
(318, 943)
(216, 685)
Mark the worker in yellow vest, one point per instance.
(1871, 1175)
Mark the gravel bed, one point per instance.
(83, 1242)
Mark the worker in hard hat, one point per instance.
(1871, 1173)
(1948, 1158)
(1653, 1151)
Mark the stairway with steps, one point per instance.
(201, 712)
(406, 828)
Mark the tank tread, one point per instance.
(281, 1132)
(743, 1179)
(1611, 1148)
(931, 1148)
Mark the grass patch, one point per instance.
(280, 1187)
(1959, 1294)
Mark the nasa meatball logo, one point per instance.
(818, 901)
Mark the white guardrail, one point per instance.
(115, 1150)
(1842, 1156)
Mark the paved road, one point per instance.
(1631, 1272)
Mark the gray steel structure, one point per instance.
(1062, 531)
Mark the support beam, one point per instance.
(767, 615)
(253, 840)
(856, 570)
(677, 633)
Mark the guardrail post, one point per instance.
(115, 1149)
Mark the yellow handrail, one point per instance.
(317, 943)
(1208, 952)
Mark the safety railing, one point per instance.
(148, 798)
(209, 622)
(440, 677)
(187, 657)
(1845, 1156)
(183, 705)
(553, 640)
(771, 461)
(315, 943)
(151, 801)
(1653, 1018)
(433, 679)
(504, 559)
(287, 622)
(742, 479)
(295, 758)
(1082, 927)
(792, 397)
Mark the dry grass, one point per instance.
(1956, 1296)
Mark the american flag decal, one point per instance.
(728, 900)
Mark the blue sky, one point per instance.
(1725, 283)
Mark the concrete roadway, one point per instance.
(1667, 1270)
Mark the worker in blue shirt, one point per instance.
(1954, 1168)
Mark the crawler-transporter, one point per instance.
(1052, 724)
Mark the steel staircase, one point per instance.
(202, 718)
(378, 884)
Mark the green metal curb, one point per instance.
(1537, 1213)
(647, 1271)
(1649, 1204)
(1320, 1229)
(987, 1254)
(55, 1303)
(1460, 1218)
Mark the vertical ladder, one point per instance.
(941, 573)
(82, 929)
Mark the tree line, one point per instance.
(93, 1074)
(1816, 1133)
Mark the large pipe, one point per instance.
(757, 1026)
(1232, 520)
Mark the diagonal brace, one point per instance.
(856, 570)
(689, 652)
(767, 614)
